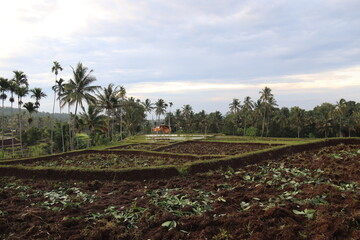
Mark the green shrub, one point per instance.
(252, 132)
(82, 140)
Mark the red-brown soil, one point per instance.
(214, 148)
(140, 146)
(311, 195)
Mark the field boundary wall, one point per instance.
(156, 172)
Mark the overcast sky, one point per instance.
(203, 53)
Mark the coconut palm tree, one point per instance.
(282, 118)
(4, 86)
(267, 103)
(234, 106)
(31, 108)
(160, 109)
(122, 95)
(340, 111)
(12, 89)
(134, 115)
(38, 94)
(187, 113)
(170, 105)
(55, 69)
(108, 100)
(80, 88)
(93, 119)
(297, 117)
(21, 90)
(58, 89)
(246, 110)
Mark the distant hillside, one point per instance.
(62, 116)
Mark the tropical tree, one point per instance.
(267, 103)
(134, 115)
(160, 109)
(58, 89)
(282, 119)
(4, 86)
(21, 91)
(80, 88)
(204, 121)
(246, 110)
(55, 69)
(108, 100)
(170, 105)
(188, 115)
(93, 120)
(31, 108)
(297, 117)
(122, 96)
(323, 118)
(339, 112)
(12, 89)
(235, 106)
(38, 94)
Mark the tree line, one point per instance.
(110, 115)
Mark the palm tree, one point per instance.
(148, 107)
(31, 108)
(187, 113)
(246, 110)
(80, 88)
(134, 115)
(12, 89)
(55, 69)
(160, 109)
(297, 116)
(108, 100)
(281, 118)
(339, 111)
(58, 89)
(4, 86)
(21, 91)
(234, 106)
(93, 119)
(38, 94)
(170, 105)
(267, 102)
(122, 96)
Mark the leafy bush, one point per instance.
(82, 140)
(252, 132)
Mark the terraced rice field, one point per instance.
(310, 195)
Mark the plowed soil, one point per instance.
(312, 195)
(116, 160)
(216, 148)
(140, 146)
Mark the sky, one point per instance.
(203, 53)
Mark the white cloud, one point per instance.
(341, 78)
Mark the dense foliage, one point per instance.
(105, 114)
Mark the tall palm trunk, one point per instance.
(12, 132)
(3, 126)
(244, 127)
(263, 123)
(340, 128)
(62, 130)
(52, 124)
(20, 127)
(121, 121)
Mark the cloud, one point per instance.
(178, 47)
(335, 79)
